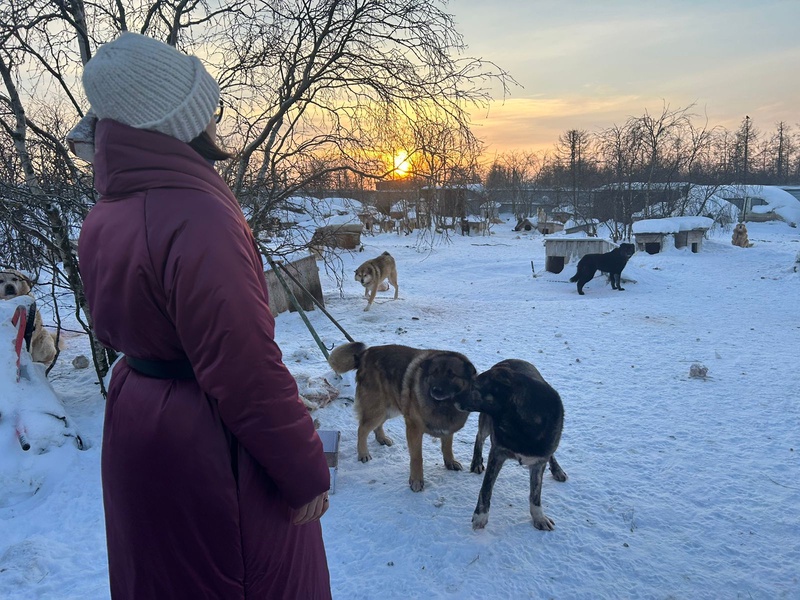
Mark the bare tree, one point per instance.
(665, 151)
(780, 149)
(53, 187)
(741, 155)
(313, 88)
(621, 149)
(341, 78)
(572, 150)
(511, 178)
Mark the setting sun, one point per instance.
(401, 164)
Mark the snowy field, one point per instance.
(678, 487)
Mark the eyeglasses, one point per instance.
(219, 111)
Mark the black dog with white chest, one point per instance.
(524, 416)
(611, 262)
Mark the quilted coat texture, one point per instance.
(198, 475)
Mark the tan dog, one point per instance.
(14, 284)
(373, 273)
(740, 236)
(422, 385)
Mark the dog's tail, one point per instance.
(346, 357)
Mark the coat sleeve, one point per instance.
(217, 299)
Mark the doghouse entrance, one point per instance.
(555, 264)
(652, 247)
(694, 247)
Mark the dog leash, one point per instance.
(29, 325)
(315, 301)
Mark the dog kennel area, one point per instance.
(560, 251)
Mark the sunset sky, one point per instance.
(590, 64)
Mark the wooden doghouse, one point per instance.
(561, 250)
(473, 226)
(547, 227)
(347, 237)
(652, 235)
(306, 272)
(523, 225)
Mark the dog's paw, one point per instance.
(416, 484)
(556, 471)
(477, 468)
(479, 520)
(544, 524)
(385, 440)
(364, 457)
(540, 520)
(453, 465)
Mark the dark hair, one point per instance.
(208, 149)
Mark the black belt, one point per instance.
(162, 369)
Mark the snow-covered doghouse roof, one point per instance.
(776, 200)
(672, 225)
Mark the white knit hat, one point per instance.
(147, 84)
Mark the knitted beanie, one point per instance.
(147, 84)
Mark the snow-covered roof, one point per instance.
(777, 200)
(643, 185)
(473, 187)
(672, 225)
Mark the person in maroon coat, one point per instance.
(214, 479)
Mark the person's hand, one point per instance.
(312, 511)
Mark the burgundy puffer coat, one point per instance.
(198, 475)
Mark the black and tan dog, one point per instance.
(611, 262)
(42, 343)
(373, 274)
(422, 385)
(524, 417)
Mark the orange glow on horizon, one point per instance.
(401, 164)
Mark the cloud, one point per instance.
(589, 65)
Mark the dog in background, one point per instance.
(740, 236)
(13, 284)
(422, 385)
(373, 273)
(524, 417)
(611, 262)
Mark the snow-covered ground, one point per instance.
(679, 487)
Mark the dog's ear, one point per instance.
(27, 279)
(503, 375)
(470, 369)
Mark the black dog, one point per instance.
(524, 417)
(611, 262)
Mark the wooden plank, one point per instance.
(306, 272)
